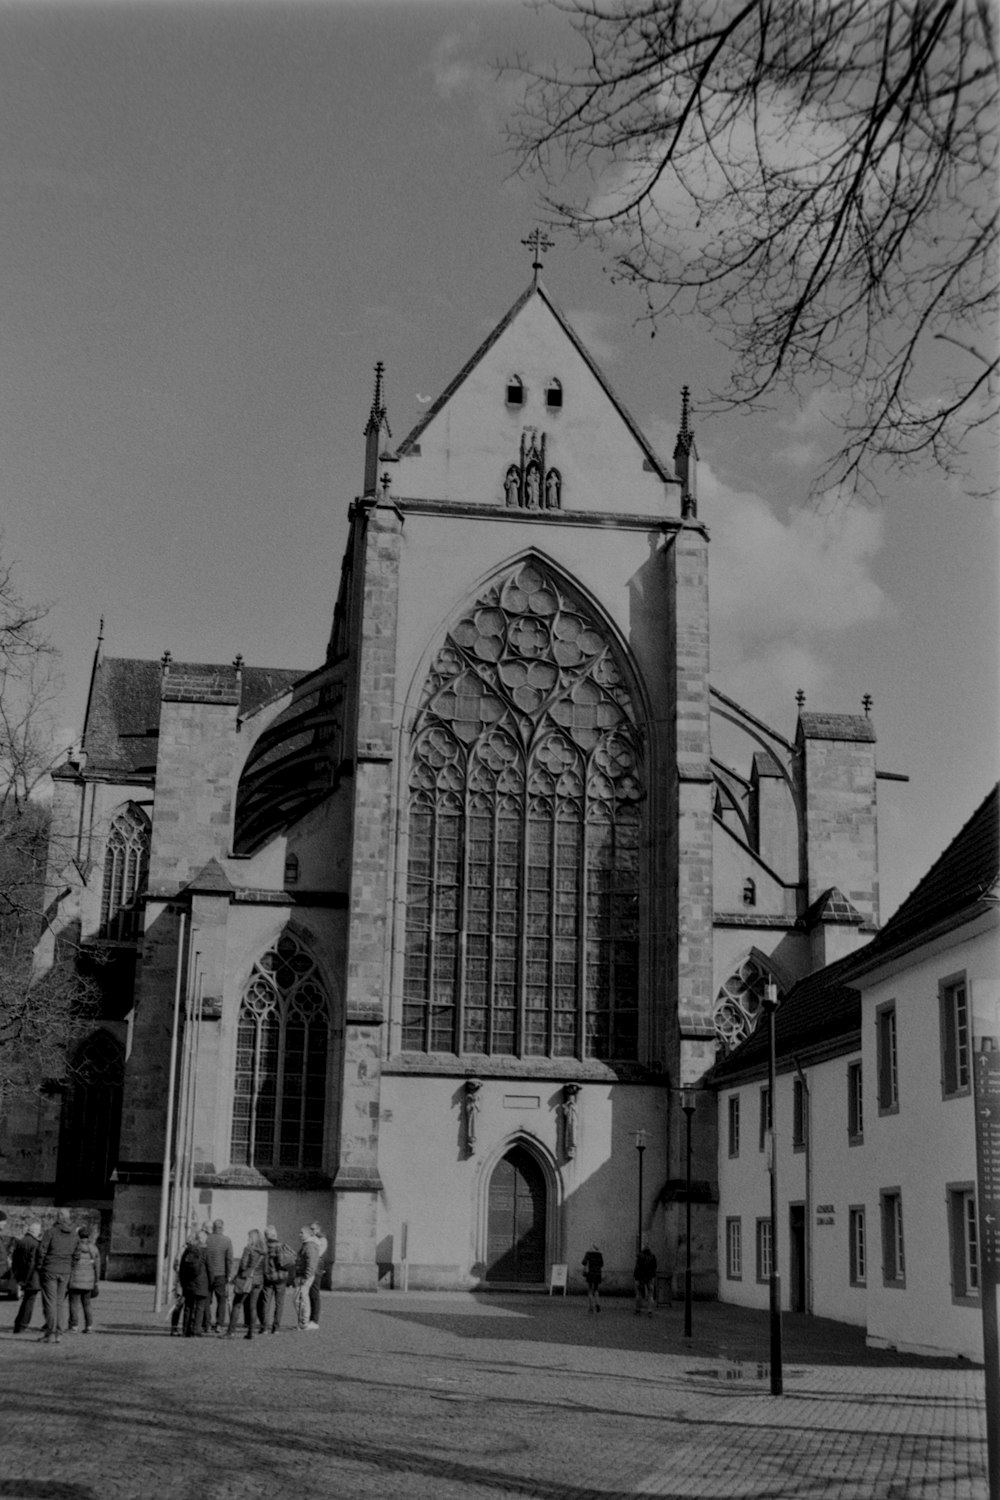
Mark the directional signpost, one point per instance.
(986, 1091)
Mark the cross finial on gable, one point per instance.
(539, 242)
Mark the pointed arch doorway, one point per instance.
(516, 1219)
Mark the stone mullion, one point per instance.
(553, 897)
(492, 968)
(462, 948)
(432, 907)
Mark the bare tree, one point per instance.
(41, 1014)
(817, 177)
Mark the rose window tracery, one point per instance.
(739, 1003)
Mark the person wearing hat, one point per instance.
(84, 1276)
(271, 1301)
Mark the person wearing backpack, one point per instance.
(25, 1265)
(85, 1273)
(278, 1259)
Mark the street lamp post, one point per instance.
(771, 1006)
(688, 1106)
(640, 1146)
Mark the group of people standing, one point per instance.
(208, 1272)
(64, 1265)
(643, 1276)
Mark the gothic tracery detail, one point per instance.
(523, 879)
(738, 1004)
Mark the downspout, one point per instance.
(807, 1120)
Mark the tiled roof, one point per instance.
(123, 720)
(820, 1009)
(963, 881)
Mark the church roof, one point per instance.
(123, 718)
(836, 727)
(410, 443)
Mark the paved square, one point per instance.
(450, 1396)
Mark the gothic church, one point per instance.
(424, 943)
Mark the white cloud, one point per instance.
(593, 330)
(459, 72)
(783, 591)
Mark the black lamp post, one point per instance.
(640, 1146)
(687, 1105)
(771, 1005)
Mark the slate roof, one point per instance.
(123, 717)
(836, 727)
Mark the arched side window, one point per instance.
(515, 391)
(522, 918)
(279, 1104)
(739, 1003)
(126, 867)
(554, 395)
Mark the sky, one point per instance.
(218, 216)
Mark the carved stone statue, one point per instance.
(472, 1087)
(570, 1118)
(512, 486)
(532, 487)
(553, 486)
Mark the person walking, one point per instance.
(271, 1300)
(26, 1264)
(192, 1273)
(305, 1274)
(248, 1282)
(593, 1272)
(644, 1276)
(55, 1264)
(84, 1276)
(321, 1248)
(219, 1260)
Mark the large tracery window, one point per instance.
(126, 866)
(279, 1102)
(522, 923)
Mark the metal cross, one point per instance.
(537, 241)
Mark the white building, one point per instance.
(874, 1121)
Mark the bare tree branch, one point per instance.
(815, 177)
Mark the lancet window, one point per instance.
(282, 1042)
(126, 866)
(525, 791)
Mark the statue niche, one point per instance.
(529, 484)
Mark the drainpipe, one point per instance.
(808, 1247)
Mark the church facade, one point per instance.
(425, 943)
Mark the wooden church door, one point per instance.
(515, 1248)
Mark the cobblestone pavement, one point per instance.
(461, 1397)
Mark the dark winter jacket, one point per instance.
(192, 1272)
(25, 1263)
(251, 1268)
(56, 1255)
(219, 1256)
(86, 1270)
(645, 1267)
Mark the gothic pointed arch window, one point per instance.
(282, 1046)
(739, 1003)
(126, 867)
(525, 791)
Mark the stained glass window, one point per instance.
(526, 777)
(126, 865)
(738, 1003)
(282, 1041)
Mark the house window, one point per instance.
(764, 1250)
(282, 1043)
(734, 1124)
(856, 1245)
(963, 1236)
(855, 1105)
(524, 869)
(886, 1060)
(893, 1260)
(799, 1114)
(126, 867)
(291, 869)
(553, 395)
(734, 1249)
(515, 391)
(749, 892)
(765, 1117)
(955, 1038)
